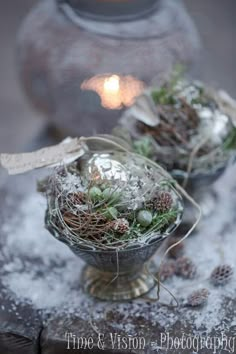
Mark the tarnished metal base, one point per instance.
(106, 286)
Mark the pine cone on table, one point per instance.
(198, 297)
(185, 268)
(167, 270)
(221, 275)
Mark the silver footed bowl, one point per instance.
(118, 275)
(119, 272)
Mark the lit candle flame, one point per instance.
(115, 91)
(112, 84)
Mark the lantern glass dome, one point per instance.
(82, 62)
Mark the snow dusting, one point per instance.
(40, 271)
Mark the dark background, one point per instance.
(215, 20)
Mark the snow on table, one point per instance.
(39, 272)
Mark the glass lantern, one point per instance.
(82, 62)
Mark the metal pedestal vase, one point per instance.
(115, 286)
(118, 275)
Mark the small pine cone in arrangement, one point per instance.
(167, 270)
(120, 225)
(185, 268)
(222, 274)
(178, 250)
(163, 202)
(198, 298)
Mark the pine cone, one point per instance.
(185, 268)
(120, 225)
(198, 297)
(167, 270)
(176, 251)
(163, 202)
(221, 275)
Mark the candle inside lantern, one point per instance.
(115, 91)
(112, 84)
(111, 92)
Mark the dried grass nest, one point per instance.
(110, 201)
(179, 121)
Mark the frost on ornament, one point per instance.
(110, 200)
